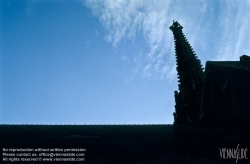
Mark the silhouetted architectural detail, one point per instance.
(226, 96)
(245, 58)
(190, 75)
(180, 116)
(219, 96)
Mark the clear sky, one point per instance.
(106, 62)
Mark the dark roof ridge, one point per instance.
(231, 64)
(225, 61)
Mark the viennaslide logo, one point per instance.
(233, 153)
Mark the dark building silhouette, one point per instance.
(221, 95)
(190, 75)
(226, 95)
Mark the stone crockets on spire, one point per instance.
(190, 78)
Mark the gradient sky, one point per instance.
(106, 62)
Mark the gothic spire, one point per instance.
(190, 76)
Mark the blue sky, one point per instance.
(106, 62)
